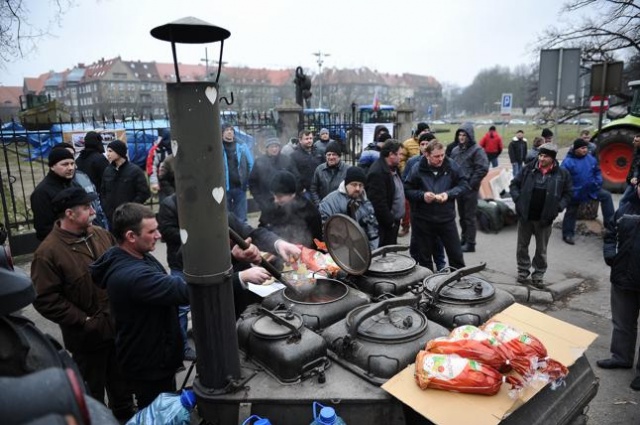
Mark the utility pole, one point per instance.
(206, 64)
(320, 55)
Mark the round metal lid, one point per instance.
(390, 264)
(347, 244)
(268, 328)
(397, 324)
(468, 289)
(190, 30)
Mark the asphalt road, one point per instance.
(586, 306)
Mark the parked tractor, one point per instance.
(615, 144)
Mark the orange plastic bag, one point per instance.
(454, 373)
(316, 261)
(474, 344)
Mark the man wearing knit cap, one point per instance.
(320, 145)
(350, 199)
(122, 181)
(587, 185)
(294, 218)
(238, 163)
(328, 176)
(540, 191)
(62, 167)
(91, 159)
(265, 167)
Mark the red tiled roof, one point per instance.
(36, 84)
(98, 69)
(10, 96)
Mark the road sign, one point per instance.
(505, 104)
(559, 76)
(595, 101)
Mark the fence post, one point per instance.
(288, 116)
(404, 121)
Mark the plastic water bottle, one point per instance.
(327, 415)
(167, 409)
(259, 420)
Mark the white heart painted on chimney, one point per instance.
(212, 94)
(218, 194)
(174, 147)
(184, 236)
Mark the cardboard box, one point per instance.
(564, 342)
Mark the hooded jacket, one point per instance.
(585, 176)
(558, 190)
(92, 162)
(337, 202)
(471, 157)
(422, 178)
(66, 293)
(144, 303)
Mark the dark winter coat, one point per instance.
(244, 161)
(327, 179)
(306, 163)
(144, 302)
(263, 171)
(517, 150)
(297, 222)
(423, 178)
(381, 191)
(471, 157)
(93, 164)
(43, 194)
(66, 293)
(124, 184)
(622, 244)
(585, 176)
(634, 170)
(558, 191)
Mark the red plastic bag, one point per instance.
(454, 373)
(474, 344)
(316, 261)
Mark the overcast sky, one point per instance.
(451, 40)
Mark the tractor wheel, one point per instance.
(615, 153)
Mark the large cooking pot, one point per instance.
(382, 271)
(458, 298)
(279, 342)
(376, 341)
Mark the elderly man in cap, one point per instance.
(351, 199)
(122, 181)
(67, 296)
(328, 176)
(91, 159)
(238, 163)
(540, 191)
(587, 185)
(265, 167)
(320, 145)
(62, 167)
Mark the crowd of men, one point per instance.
(124, 318)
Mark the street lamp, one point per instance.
(320, 55)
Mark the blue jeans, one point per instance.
(237, 203)
(183, 313)
(516, 166)
(570, 215)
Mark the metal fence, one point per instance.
(24, 152)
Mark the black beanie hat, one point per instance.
(283, 183)
(118, 147)
(58, 154)
(579, 143)
(355, 174)
(93, 141)
(547, 133)
(333, 147)
(422, 126)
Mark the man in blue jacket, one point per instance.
(432, 187)
(587, 185)
(238, 163)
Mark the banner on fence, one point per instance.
(367, 131)
(77, 137)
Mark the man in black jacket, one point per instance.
(432, 186)
(122, 181)
(91, 159)
(62, 167)
(621, 247)
(305, 161)
(386, 192)
(540, 192)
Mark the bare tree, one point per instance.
(18, 36)
(614, 29)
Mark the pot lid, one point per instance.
(285, 324)
(467, 289)
(347, 244)
(386, 261)
(395, 324)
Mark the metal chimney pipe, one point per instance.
(201, 194)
